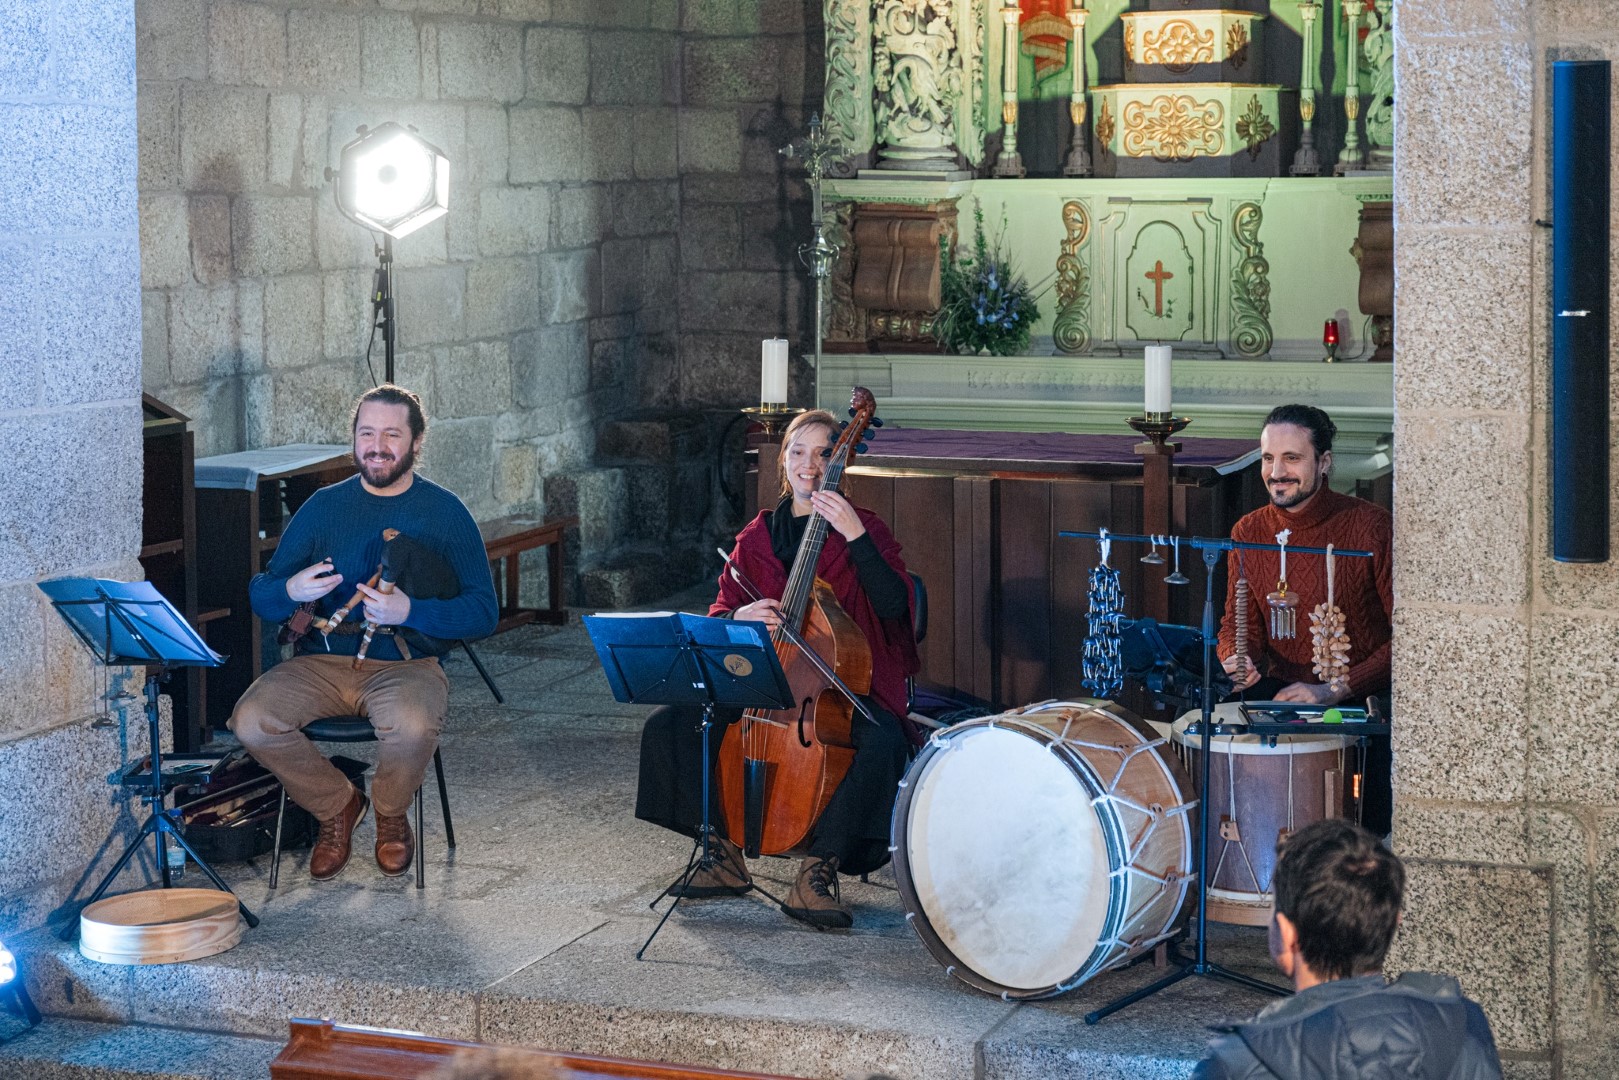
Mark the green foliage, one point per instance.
(986, 305)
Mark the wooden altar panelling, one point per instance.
(1007, 595)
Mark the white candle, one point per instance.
(773, 372)
(1157, 378)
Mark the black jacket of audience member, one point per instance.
(1418, 1027)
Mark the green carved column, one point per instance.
(847, 111)
(1071, 329)
(1250, 284)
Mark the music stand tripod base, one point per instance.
(125, 624)
(679, 659)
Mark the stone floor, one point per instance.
(527, 934)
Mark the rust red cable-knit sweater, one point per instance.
(1364, 588)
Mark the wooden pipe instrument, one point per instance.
(778, 769)
(335, 619)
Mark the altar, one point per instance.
(977, 515)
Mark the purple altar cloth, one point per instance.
(1222, 455)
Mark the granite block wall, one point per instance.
(1507, 780)
(560, 123)
(70, 429)
(751, 75)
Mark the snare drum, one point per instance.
(1258, 793)
(1036, 848)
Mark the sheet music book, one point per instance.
(151, 631)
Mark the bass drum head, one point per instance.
(1001, 859)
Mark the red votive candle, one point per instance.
(1329, 332)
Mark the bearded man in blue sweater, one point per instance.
(328, 553)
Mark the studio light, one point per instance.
(393, 180)
(13, 994)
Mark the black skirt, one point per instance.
(855, 826)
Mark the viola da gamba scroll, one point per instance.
(778, 769)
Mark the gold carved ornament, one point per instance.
(1307, 111)
(1008, 112)
(1236, 45)
(1254, 127)
(1177, 46)
(1129, 44)
(1352, 106)
(1104, 128)
(1173, 127)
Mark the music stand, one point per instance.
(671, 658)
(130, 624)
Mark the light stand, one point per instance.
(390, 180)
(1200, 964)
(382, 305)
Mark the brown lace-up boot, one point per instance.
(815, 898)
(727, 874)
(396, 844)
(332, 846)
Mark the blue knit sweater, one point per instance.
(344, 522)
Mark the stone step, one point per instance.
(665, 437)
(641, 573)
(61, 1049)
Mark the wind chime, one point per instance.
(1331, 637)
(1284, 605)
(1103, 663)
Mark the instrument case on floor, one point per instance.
(231, 818)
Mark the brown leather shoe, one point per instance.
(396, 844)
(815, 898)
(332, 847)
(726, 874)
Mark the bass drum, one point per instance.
(1036, 848)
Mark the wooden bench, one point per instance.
(508, 537)
(322, 1050)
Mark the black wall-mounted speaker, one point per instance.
(1580, 242)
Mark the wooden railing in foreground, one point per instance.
(322, 1050)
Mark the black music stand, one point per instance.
(668, 658)
(129, 624)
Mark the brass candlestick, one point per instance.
(1158, 426)
(772, 418)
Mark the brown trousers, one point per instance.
(405, 701)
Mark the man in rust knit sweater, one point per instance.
(1296, 456)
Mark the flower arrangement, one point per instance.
(986, 306)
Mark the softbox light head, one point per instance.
(393, 180)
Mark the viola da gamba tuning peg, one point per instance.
(861, 449)
(876, 421)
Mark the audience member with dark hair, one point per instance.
(1338, 899)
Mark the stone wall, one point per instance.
(1507, 776)
(544, 302)
(70, 426)
(751, 75)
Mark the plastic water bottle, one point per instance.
(176, 856)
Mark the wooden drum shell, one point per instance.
(1278, 789)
